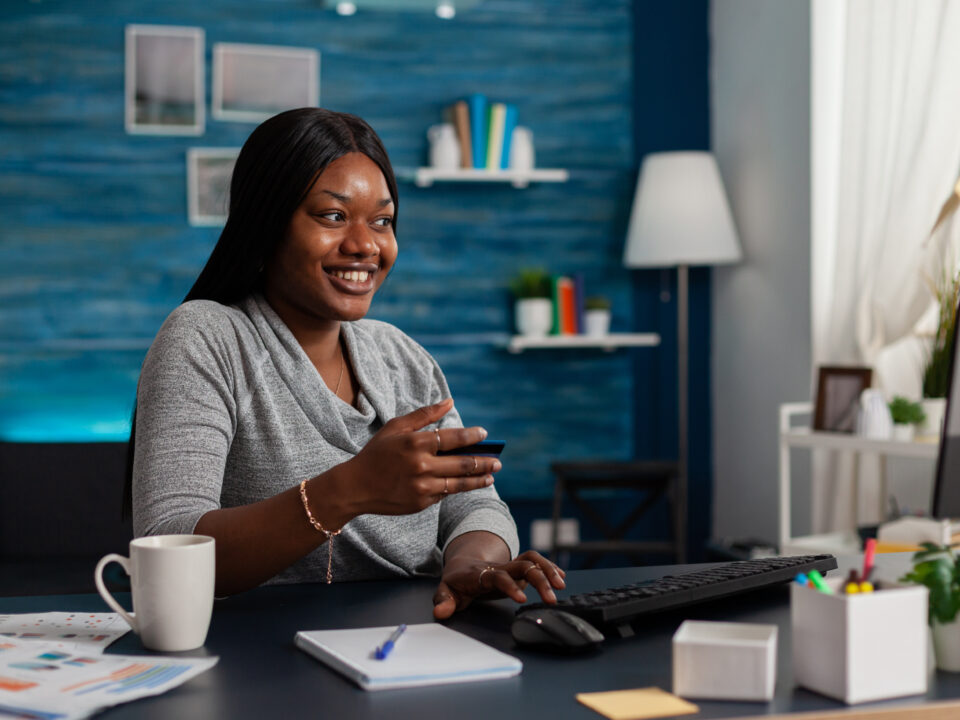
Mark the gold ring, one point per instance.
(488, 568)
(437, 431)
(445, 481)
(475, 466)
(533, 566)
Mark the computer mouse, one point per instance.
(552, 629)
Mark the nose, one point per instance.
(359, 241)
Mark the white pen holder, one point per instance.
(860, 647)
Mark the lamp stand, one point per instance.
(680, 501)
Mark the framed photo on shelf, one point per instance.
(164, 80)
(254, 82)
(208, 184)
(838, 397)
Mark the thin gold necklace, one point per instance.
(342, 366)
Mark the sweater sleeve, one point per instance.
(480, 509)
(186, 420)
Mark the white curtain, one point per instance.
(885, 156)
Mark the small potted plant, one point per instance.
(533, 307)
(936, 567)
(936, 371)
(906, 416)
(596, 316)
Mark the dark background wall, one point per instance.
(95, 248)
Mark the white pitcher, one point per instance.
(444, 147)
(521, 149)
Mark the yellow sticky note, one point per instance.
(637, 704)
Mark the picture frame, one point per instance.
(209, 170)
(254, 82)
(164, 91)
(838, 397)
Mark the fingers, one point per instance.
(553, 573)
(453, 438)
(454, 485)
(419, 418)
(491, 578)
(464, 466)
(444, 602)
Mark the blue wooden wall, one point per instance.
(95, 249)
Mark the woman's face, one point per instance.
(339, 245)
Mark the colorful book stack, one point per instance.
(568, 305)
(485, 130)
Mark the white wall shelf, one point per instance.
(427, 176)
(803, 437)
(610, 342)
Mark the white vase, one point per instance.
(596, 322)
(534, 316)
(933, 408)
(946, 645)
(444, 147)
(903, 432)
(521, 149)
(874, 420)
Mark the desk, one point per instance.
(261, 673)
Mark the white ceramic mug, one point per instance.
(171, 579)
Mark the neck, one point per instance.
(318, 337)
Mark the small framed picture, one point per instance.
(254, 82)
(164, 86)
(208, 184)
(838, 397)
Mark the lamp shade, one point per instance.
(680, 214)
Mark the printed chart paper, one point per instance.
(83, 630)
(38, 679)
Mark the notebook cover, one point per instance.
(426, 654)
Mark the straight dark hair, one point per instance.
(274, 172)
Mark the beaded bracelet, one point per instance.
(316, 524)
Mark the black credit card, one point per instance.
(484, 448)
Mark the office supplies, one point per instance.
(868, 555)
(800, 579)
(650, 702)
(619, 606)
(816, 579)
(725, 660)
(863, 647)
(484, 448)
(384, 650)
(866, 587)
(91, 632)
(551, 629)
(851, 588)
(432, 655)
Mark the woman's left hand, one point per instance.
(464, 579)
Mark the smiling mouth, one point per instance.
(351, 275)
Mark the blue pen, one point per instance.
(801, 579)
(385, 649)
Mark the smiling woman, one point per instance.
(303, 437)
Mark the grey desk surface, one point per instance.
(261, 673)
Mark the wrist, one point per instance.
(332, 499)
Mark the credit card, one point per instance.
(484, 448)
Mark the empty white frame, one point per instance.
(164, 80)
(208, 184)
(254, 82)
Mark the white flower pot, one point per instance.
(903, 432)
(933, 408)
(597, 322)
(534, 316)
(946, 645)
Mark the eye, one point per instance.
(332, 215)
(384, 222)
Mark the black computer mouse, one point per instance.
(552, 629)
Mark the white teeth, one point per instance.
(352, 275)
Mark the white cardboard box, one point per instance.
(724, 660)
(862, 647)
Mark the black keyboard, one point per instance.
(621, 605)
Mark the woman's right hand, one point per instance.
(399, 472)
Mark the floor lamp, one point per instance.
(680, 217)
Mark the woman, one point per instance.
(303, 438)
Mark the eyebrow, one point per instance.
(346, 198)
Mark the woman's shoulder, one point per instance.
(390, 342)
(205, 322)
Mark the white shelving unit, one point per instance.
(803, 437)
(519, 343)
(427, 176)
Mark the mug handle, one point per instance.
(131, 618)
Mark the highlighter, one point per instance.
(818, 582)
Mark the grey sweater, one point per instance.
(230, 410)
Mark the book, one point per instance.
(557, 325)
(497, 116)
(426, 654)
(461, 121)
(568, 313)
(578, 296)
(509, 123)
(478, 129)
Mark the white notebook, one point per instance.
(426, 654)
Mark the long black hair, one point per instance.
(274, 172)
